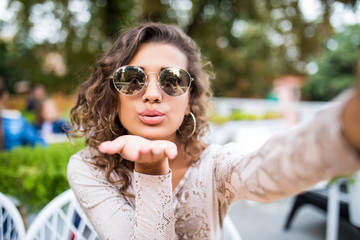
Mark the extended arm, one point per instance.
(292, 161)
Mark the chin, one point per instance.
(156, 135)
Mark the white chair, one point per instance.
(61, 219)
(11, 224)
(229, 231)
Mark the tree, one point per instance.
(248, 42)
(81, 30)
(336, 67)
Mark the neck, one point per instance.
(183, 159)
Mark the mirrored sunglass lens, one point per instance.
(129, 80)
(174, 81)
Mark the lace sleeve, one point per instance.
(110, 212)
(288, 163)
(107, 209)
(154, 214)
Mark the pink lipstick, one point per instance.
(151, 116)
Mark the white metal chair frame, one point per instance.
(11, 224)
(62, 218)
(229, 231)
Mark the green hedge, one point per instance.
(239, 115)
(34, 176)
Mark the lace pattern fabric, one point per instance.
(285, 165)
(162, 216)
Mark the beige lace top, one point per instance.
(286, 164)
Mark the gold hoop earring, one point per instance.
(194, 126)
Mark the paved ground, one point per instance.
(266, 221)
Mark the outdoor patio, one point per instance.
(257, 221)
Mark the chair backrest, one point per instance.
(229, 231)
(61, 219)
(11, 224)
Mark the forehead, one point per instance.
(157, 55)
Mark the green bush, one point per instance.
(240, 115)
(34, 176)
(336, 67)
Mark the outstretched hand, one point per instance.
(351, 119)
(150, 157)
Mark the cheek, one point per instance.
(182, 108)
(123, 110)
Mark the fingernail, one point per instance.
(157, 151)
(101, 146)
(173, 153)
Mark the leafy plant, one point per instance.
(34, 176)
(255, 41)
(240, 115)
(336, 67)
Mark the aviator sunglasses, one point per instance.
(130, 80)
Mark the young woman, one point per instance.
(147, 174)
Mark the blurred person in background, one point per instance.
(48, 121)
(36, 95)
(15, 130)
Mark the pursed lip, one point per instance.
(151, 116)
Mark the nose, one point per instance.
(152, 92)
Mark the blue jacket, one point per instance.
(58, 126)
(17, 131)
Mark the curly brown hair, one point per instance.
(95, 114)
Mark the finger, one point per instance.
(112, 147)
(132, 151)
(145, 149)
(171, 150)
(163, 148)
(145, 154)
(158, 152)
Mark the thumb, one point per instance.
(112, 147)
